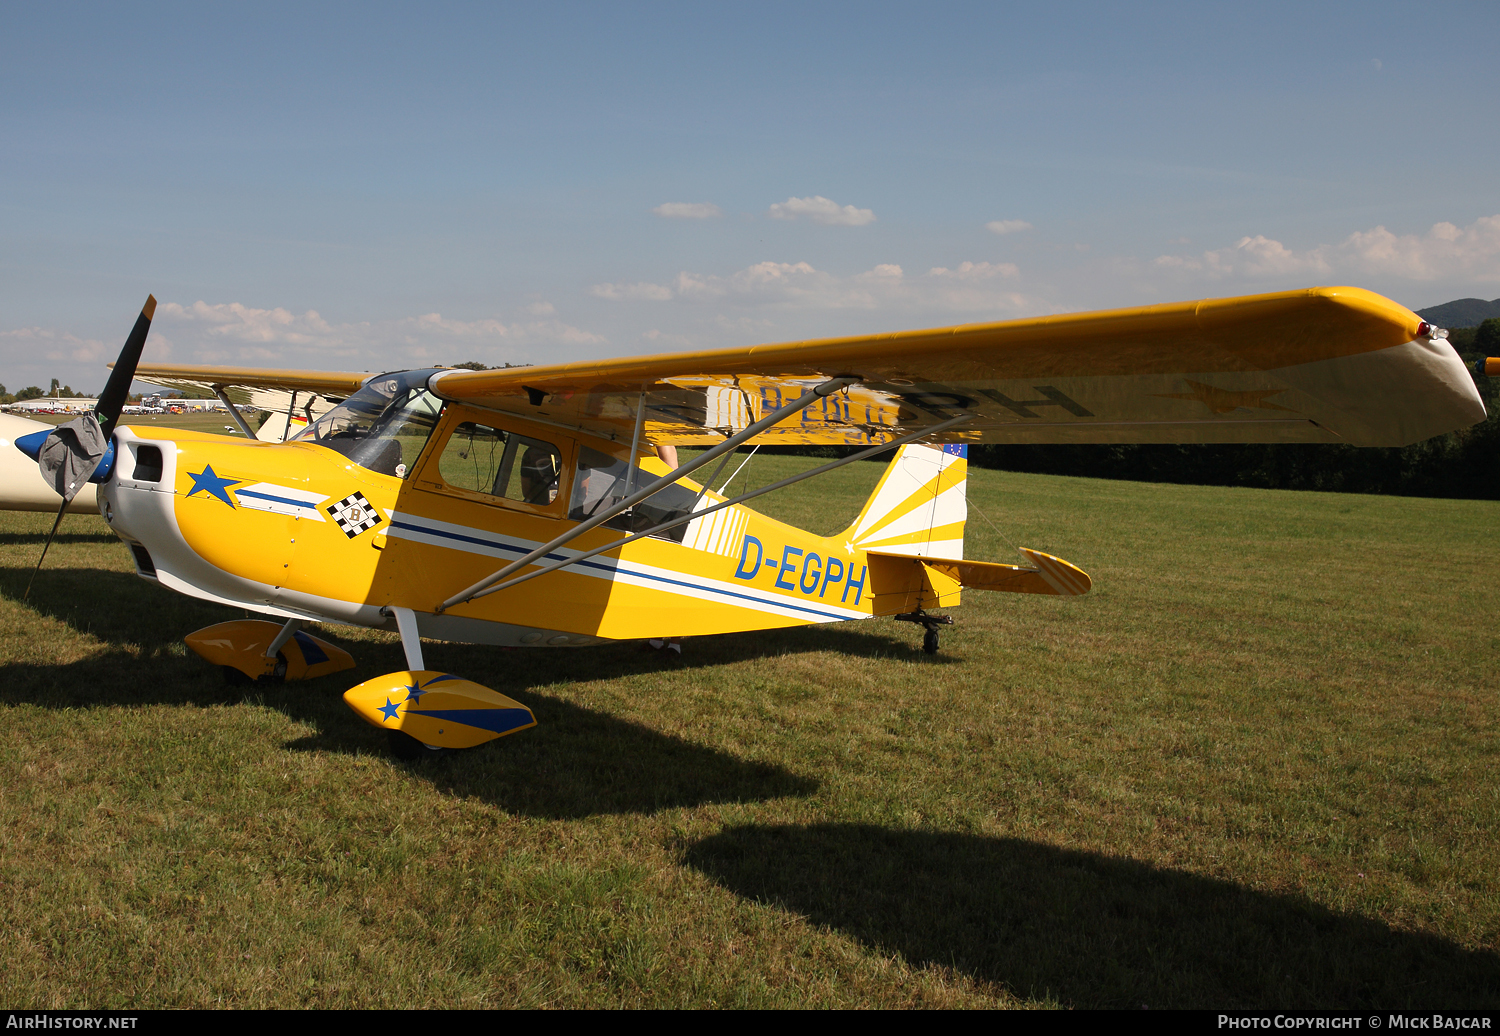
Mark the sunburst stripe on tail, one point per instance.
(951, 531)
(919, 507)
(1061, 576)
(920, 495)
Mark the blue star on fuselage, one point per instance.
(389, 710)
(207, 481)
(414, 692)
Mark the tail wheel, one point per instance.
(930, 642)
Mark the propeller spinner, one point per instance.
(82, 450)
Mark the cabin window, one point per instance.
(483, 459)
(600, 483)
(383, 426)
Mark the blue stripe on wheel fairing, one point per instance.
(498, 720)
(312, 654)
(779, 602)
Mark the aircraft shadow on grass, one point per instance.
(576, 762)
(1087, 930)
(109, 605)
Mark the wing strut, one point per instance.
(664, 526)
(730, 444)
(239, 419)
(635, 441)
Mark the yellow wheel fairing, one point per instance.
(242, 643)
(438, 709)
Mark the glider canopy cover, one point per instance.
(1331, 364)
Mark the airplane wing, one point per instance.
(292, 397)
(339, 383)
(1330, 364)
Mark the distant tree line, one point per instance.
(36, 392)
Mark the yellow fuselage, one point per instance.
(299, 530)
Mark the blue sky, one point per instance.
(372, 186)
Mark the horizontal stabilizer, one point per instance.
(902, 583)
(1045, 575)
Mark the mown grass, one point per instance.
(1256, 766)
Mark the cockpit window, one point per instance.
(480, 458)
(384, 425)
(600, 482)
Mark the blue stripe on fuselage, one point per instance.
(779, 602)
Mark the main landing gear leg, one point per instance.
(274, 661)
(930, 623)
(403, 746)
(411, 641)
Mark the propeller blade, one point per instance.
(70, 455)
(117, 389)
(60, 511)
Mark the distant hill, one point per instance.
(1461, 312)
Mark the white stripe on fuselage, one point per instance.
(266, 496)
(491, 544)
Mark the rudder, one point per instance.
(919, 507)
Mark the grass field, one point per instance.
(1256, 766)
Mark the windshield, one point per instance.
(384, 425)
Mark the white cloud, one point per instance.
(1444, 251)
(687, 210)
(658, 340)
(1253, 257)
(633, 292)
(822, 210)
(1007, 226)
(973, 272)
(968, 287)
(236, 322)
(38, 342)
(35, 354)
(1461, 254)
(230, 332)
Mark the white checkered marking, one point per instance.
(354, 514)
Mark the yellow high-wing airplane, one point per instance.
(527, 506)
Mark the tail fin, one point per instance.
(919, 507)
